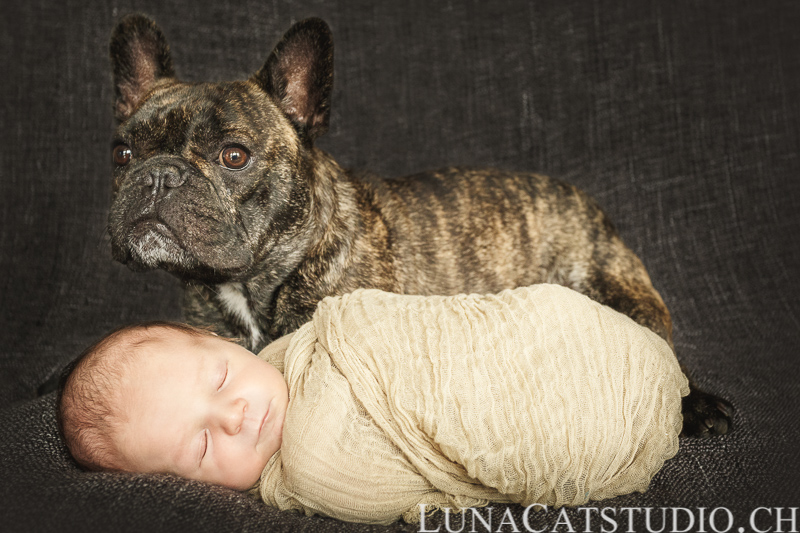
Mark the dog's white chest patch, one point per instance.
(232, 297)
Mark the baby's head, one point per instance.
(169, 398)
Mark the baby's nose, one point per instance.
(233, 416)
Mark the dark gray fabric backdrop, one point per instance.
(681, 118)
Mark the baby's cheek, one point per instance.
(240, 468)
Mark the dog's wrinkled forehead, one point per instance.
(200, 117)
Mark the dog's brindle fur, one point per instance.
(259, 247)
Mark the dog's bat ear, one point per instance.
(140, 57)
(298, 75)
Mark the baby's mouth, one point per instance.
(264, 420)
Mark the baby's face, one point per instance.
(202, 408)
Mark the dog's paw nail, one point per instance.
(705, 415)
(725, 409)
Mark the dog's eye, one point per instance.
(234, 158)
(122, 154)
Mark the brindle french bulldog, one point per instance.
(221, 185)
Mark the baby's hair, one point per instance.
(87, 405)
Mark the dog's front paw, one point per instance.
(706, 415)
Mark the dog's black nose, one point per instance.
(167, 177)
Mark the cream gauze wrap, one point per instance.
(532, 395)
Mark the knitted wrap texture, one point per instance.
(532, 395)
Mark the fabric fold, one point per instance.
(532, 395)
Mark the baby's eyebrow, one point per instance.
(205, 371)
(187, 453)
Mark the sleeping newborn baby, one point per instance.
(384, 402)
